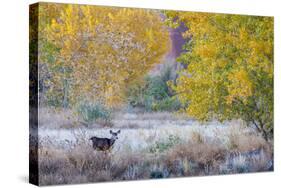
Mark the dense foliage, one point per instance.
(93, 112)
(229, 70)
(106, 56)
(93, 53)
(152, 93)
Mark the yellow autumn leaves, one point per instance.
(100, 50)
(240, 86)
(228, 66)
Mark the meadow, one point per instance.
(150, 145)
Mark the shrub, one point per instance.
(145, 92)
(153, 93)
(92, 112)
(203, 154)
(167, 104)
(157, 88)
(54, 100)
(136, 93)
(246, 142)
(160, 147)
(148, 103)
(152, 96)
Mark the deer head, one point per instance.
(114, 135)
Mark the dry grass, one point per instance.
(57, 118)
(171, 150)
(60, 167)
(245, 142)
(81, 164)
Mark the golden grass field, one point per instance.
(150, 145)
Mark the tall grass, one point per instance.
(164, 156)
(151, 145)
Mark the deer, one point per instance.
(105, 144)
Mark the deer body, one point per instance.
(105, 144)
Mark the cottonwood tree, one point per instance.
(229, 70)
(92, 53)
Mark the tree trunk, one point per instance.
(65, 94)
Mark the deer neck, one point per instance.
(111, 142)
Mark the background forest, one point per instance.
(192, 93)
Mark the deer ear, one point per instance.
(110, 131)
(119, 131)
